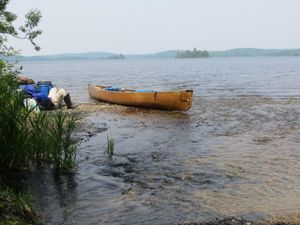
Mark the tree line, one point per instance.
(192, 54)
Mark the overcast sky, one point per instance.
(146, 26)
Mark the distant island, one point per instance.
(255, 52)
(120, 56)
(239, 52)
(192, 54)
(71, 56)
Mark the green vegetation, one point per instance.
(63, 147)
(192, 54)
(110, 146)
(27, 139)
(14, 208)
(26, 31)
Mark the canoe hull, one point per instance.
(172, 100)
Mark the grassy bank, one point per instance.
(15, 209)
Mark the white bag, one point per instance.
(31, 104)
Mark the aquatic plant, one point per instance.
(110, 146)
(64, 147)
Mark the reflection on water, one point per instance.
(235, 155)
(54, 195)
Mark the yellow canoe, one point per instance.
(167, 100)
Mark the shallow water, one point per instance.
(235, 153)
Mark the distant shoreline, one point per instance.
(239, 52)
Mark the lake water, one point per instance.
(212, 77)
(235, 153)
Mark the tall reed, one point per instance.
(110, 146)
(64, 147)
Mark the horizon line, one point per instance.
(152, 53)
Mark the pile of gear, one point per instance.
(43, 95)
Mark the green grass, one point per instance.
(110, 146)
(15, 209)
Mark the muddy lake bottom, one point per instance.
(227, 157)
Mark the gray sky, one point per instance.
(146, 26)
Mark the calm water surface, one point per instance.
(235, 153)
(213, 77)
